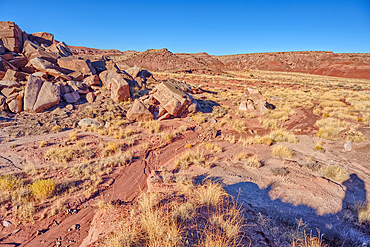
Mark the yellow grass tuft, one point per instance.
(191, 158)
(43, 188)
(282, 152)
(333, 172)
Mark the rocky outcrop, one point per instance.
(15, 102)
(42, 38)
(139, 112)
(254, 100)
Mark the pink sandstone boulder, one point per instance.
(71, 97)
(48, 97)
(12, 36)
(117, 83)
(139, 112)
(32, 90)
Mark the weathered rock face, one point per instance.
(19, 62)
(90, 97)
(139, 112)
(118, 85)
(171, 98)
(42, 38)
(31, 92)
(254, 100)
(90, 122)
(12, 36)
(41, 64)
(72, 64)
(49, 96)
(5, 65)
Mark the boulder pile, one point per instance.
(37, 72)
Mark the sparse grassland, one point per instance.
(329, 128)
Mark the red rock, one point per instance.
(41, 64)
(7, 56)
(71, 97)
(60, 48)
(12, 75)
(15, 104)
(5, 65)
(76, 76)
(57, 73)
(139, 112)
(174, 100)
(42, 38)
(117, 83)
(19, 62)
(50, 96)
(72, 64)
(8, 91)
(90, 97)
(80, 87)
(31, 93)
(165, 116)
(92, 80)
(12, 36)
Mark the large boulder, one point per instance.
(12, 36)
(31, 93)
(42, 38)
(41, 64)
(117, 83)
(72, 64)
(171, 98)
(49, 96)
(139, 112)
(19, 62)
(92, 80)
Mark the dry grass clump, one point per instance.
(282, 135)
(56, 129)
(218, 111)
(363, 211)
(43, 188)
(238, 125)
(72, 136)
(42, 143)
(319, 147)
(331, 103)
(244, 114)
(265, 140)
(174, 220)
(199, 117)
(355, 136)
(309, 241)
(111, 148)
(329, 128)
(333, 172)
(268, 123)
(282, 152)
(191, 158)
(253, 161)
(153, 126)
(213, 147)
(65, 155)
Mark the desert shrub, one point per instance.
(319, 147)
(210, 194)
(265, 140)
(199, 117)
(253, 161)
(43, 188)
(72, 136)
(309, 241)
(281, 135)
(333, 172)
(153, 126)
(213, 147)
(282, 152)
(42, 143)
(329, 128)
(56, 129)
(191, 158)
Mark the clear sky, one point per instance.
(215, 27)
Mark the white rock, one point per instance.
(6, 223)
(348, 146)
(90, 122)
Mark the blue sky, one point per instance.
(215, 27)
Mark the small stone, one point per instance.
(90, 97)
(348, 146)
(69, 107)
(6, 223)
(90, 122)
